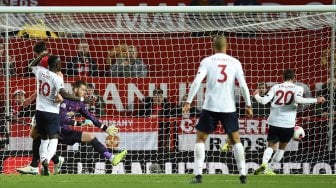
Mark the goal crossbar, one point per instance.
(168, 9)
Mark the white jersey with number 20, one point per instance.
(48, 85)
(285, 98)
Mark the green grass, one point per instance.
(163, 181)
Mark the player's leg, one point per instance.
(100, 148)
(206, 125)
(239, 155)
(41, 127)
(231, 127)
(285, 136)
(51, 125)
(272, 141)
(58, 162)
(52, 147)
(271, 146)
(32, 168)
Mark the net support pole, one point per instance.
(7, 74)
(331, 86)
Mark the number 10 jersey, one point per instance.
(48, 85)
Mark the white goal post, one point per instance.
(134, 55)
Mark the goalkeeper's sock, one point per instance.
(43, 150)
(100, 148)
(267, 155)
(36, 154)
(199, 155)
(239, 155)
(52, 147)
(277, 157)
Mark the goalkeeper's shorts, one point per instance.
(69, 136)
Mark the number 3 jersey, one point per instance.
(221, 71)
(285, 98)
(48, 85)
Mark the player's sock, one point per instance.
(43, 150)
(267, 155)
(52, 147)
(100, 148)
(239, 155)
(199, 155)
(277, 157)
(55, 159)
(36, 154)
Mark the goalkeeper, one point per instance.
(69, 109)
(68, 136)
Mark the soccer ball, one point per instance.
(299, 133)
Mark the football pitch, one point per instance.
(163, 181)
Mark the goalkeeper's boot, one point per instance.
(269, 172)
(196, 179)
(226, 147)
(261, 169)
(243, 179)
(57, 167)
(119, 157)
(45, 168)
(28, 170)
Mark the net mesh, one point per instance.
(141, 66)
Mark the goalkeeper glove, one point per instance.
(110, 130)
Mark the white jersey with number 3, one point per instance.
(285, 98)
(221, 71)
(48, 85)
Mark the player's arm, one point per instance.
(29, 100)
(111, 130)
(35, 62)
(244, 90)
(89, 116)
(243, 86)
(299, 99)
(201, 74)
(265, 99)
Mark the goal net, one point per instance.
(139, 67)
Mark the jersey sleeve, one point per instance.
(59, 83)
(35, 69)
(267, 98)
(299, 99)
(242, 84)
(201, 74)
(83, 110)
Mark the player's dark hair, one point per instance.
(54, 63)
(288, 74)
(78, 84)
(39, 47)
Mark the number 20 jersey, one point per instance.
(283, 107)
(48, 85)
